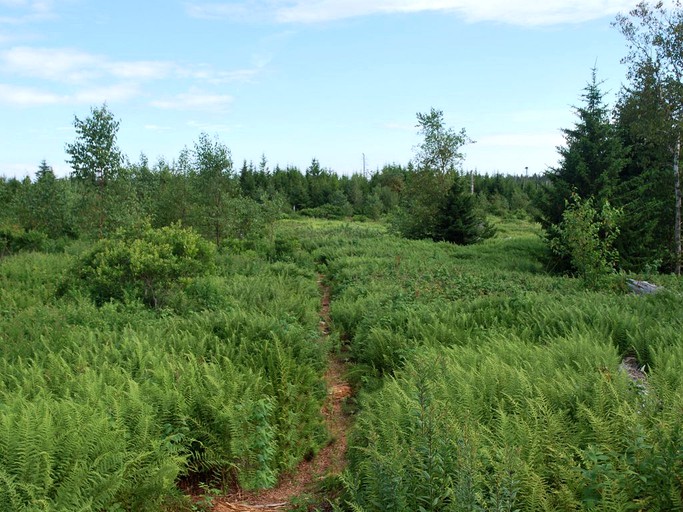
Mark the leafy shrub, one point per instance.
(143, 265)
(327, 211)
(14, 239)
(586, 236)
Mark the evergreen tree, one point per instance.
(458, 221)
(48, 204)
(247, 180)
(291, 183)
(321, 184)
(644, 194)
(592, 159)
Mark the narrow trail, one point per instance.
(330, 460)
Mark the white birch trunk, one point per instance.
(677, 189)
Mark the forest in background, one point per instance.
(618, 174)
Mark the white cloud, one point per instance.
(195, 100)
(140, 70)
(19, 96)
(91, 78)
(116, 92)
(59, 65)
(157, 128)
(26, 11)
(68, 65)
(519, 12)
(13, 95)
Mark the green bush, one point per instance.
(145, 265)
(14, 239)
(586, 237)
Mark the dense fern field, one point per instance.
(109, 407)
(482, 382)
(486, 384)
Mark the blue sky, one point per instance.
(302, 79)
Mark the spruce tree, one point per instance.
(458, 221)
(592, 159)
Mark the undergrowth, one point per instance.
(488, 384)
(484, 383)
(108, 405)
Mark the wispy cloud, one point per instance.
(20, 96)
(91, 78)
(26, 11)
(245, 11)
(68, 65)
(520, 12)
(195, 100)
(13, 95)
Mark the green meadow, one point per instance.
(481, 381)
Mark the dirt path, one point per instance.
(329, 461)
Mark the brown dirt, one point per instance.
(329, 461)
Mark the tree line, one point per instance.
(204, 189)
(616, 189)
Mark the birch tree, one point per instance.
(654, 33)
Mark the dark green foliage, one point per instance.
(434, 204)
(652, 32)
(47, 205)
(439, 208)
(458, 221)
(423, 197)
(592, 160)
(145, 264)
(590, 168)
(292, 184)
(13, 240)
(645, 193)
(322, 183)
